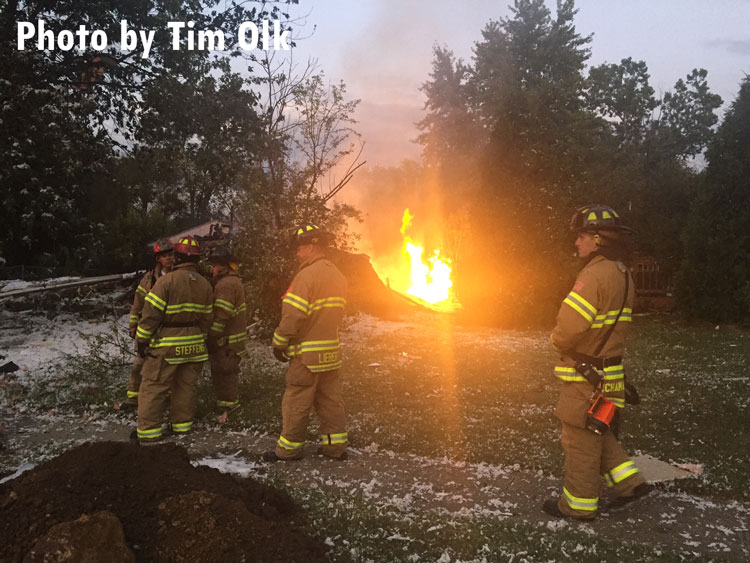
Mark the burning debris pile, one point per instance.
(120, 502)
(424, 277)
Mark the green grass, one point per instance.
(485, 395)
(359, 531)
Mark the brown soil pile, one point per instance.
(169, 510)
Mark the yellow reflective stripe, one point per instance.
(318, 346)
(568, 374)
(287, 445)
(578, 303)
(614, 372)
(298, 302)
(608, 479)
(623, 471)
(611, 316)
(218, 327)
(143, 333)
(616, 401)
(341, 438)
(140, 290)
(580, 503)
(328, 302)
(239, 337)
(150, 434)
(242, 353)
(157, 302)
(176, 340)
(187, 360)
(226, 305)
(132, 394)
(134, 319)
(280, 341)
(189, 308)
(325, 367)
(182, 426)
(227, 403)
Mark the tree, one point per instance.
(72, 121)
(621, 94)
(307, 134)
(449, 129)
(714, 278)
(526, 89)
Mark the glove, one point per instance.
(133, 330)
(142, 347)
(280, 355)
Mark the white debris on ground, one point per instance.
(14, 285)
(229, 464)
(40, 346)
(404, 485)
(656, 470)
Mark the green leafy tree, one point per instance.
(714, 279)
(526, 91)
(622, 96)
(307, 134)
(71, 120)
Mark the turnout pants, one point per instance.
(589, 456)
(306, 390)
(162, 382)
(225, 373)
(134, 380)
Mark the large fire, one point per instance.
(430, 276)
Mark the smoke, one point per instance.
(382, 49)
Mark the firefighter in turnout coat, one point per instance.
(171, 337)
(227, 336)
(311, 312)
(164, 256)
(591, 327)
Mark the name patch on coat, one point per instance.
(328, 357)
(190, 349)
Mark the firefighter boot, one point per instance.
(640, 491)
(550, 507)
(342, 457)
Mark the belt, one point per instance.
(598, 363)
(169, 324)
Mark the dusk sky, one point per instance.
(382, 49)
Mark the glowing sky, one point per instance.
(382, 49)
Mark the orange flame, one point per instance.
(431, 278)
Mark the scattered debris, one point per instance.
(654, 470)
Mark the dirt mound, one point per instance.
(169, 510)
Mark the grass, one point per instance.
(484, 395)
(488, 396)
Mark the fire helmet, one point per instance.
(188, 246)
(596, 218)
(220, 255)
(162, 246)
(309, 234)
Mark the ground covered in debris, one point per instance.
(453, 435)
(168, 509)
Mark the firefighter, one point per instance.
(311, 312)
(591, 326)
(227, 336)
(164, 256)
(171, 338)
